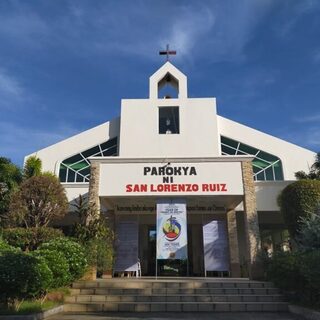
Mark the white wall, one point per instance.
(139, 131)
(54, 154)
(293, 157)
(267, 193)
(73, 190)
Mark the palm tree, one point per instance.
(314, 173)
(32, 167)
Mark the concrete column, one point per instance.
(251, 219)
(94, 200)
(233, 244)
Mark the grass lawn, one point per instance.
(28, 307)
(54, 299)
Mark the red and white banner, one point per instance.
(203, 178)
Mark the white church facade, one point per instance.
(188, 192)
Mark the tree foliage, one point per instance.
(299, 200)
(314, 172)
(10, 177)
(39, 200)
(309, 234)
(32, 167)
(31, 238)
(82, 209)
(94, 233)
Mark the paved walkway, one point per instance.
(180, 315)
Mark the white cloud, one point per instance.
(214, 30)
(305, 136)
(12, 93)
(316, 56)
(188, 29)
(309, 118)
(9, 86)
(18, 141)
(294, 12)
(310, 137)
(24, 26)
(208, 29)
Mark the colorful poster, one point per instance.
(215, 244)
(172, 230)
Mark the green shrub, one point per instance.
(297, 200)
(105, 257)
(23, 276)
(284, 271)
(97, 237)
(5, 247)
(58, 265)
(73, 252)
(99, 254)
(298, 274)
(30, 238)
(309, 266)
(309, 235)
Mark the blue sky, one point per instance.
(66, 65)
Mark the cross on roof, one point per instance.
(168, 52)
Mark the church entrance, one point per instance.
(143, 243)
(193, 266)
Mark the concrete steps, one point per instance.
(174, 298)
(174, 295)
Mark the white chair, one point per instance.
(138, 272)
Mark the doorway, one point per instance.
(193, 267)
(151, 251)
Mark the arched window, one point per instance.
(266, 167)
(77, 168)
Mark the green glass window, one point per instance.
(77, 167)
(266, 167)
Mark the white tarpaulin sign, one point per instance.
(215, 243)
(137, 179)
(127, 246)
(172, 230)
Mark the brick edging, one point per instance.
(34, 316)
(306, 313)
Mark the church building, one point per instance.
(188, 192)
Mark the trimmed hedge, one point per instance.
(58, 265)
(73, 252)
(297, 200)
(309, 264)
(5, 247)
(28, 239)
(284, 270)
(23, 276)
(297, 273)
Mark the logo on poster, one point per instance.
(171, 229)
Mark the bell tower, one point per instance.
(168, 124)
(168, 76)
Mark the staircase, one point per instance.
(174, 295)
